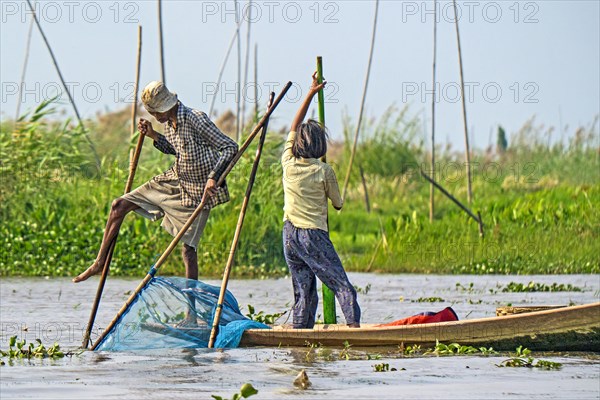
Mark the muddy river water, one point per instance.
(57, 310)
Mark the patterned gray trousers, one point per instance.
(309, 254)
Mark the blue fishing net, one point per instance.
(177, 312)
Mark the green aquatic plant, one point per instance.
(428, 300)
(246, 391)
(19, 349)
(523, 358)
(465, 289)
(453, 349)
(268, 319)
(415, 349)
(383, 367)
(514, 287)
(345, 353)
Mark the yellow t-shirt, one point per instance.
(307, 183)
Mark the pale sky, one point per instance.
(520, 58)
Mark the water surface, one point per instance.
(57, 310)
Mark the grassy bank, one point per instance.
(540, 205)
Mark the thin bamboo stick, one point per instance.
(27, 46)
(60, 75)
(458, 203)
(223, 64)
(362, 104)
(133, 163)
(431, 188)
(161, 44)
(190, 221)
(135, 93)
(464, 109)
(255, 82)
(239, 72)
(238, 231)
(249, 16)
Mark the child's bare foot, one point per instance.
(91, 271)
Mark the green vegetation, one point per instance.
(260, 316)
(429, 300)
(454, 349)
(383, 367)
(19, 349)
(514, 287)
(540, 204)
(246, 391)
(522, 358)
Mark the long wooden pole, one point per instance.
(433, 100)
(60, 75)
(223, 64)
(329, 315)
(133, 163)
(190, 221)
(464, 109)
(22, 82)
(238, 231)
(362, 104)
(161, 44)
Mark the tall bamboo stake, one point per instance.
(239, 72)
(431, 188)
(362, 103)
(238, 231)
(249, 16)
(223, 64)
(133, 162)
(60, 75)
(464, 109)
(161, 44)
(191, 219)
(329, 315)
(135, 91)
(255, 81)
(27, 45)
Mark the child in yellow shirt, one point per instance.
(309, 253)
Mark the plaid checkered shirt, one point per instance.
(201, 151)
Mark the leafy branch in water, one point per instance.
(523, 359)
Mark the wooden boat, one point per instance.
(574, 328)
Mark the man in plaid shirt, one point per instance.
(202, 153)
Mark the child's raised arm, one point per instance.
(301, 113)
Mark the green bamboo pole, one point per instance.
(328, 296)
(190, 220)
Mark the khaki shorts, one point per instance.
(163, 200)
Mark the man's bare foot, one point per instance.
(91, 271)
